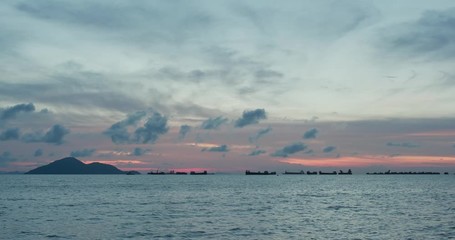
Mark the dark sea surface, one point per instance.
(227, 207)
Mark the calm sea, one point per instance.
(227, 207)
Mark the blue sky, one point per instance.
(228, 85)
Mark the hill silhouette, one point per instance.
(71, 165)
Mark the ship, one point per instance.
(349, 172)
(198, 173)
(248, 172)
(294, 173)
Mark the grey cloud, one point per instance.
(310, 134)
(213, 123)
(312, 119)
(448, 80)
(326, 20)
(310, 151)
(38, 153)
(239, 74)
(54, 135)
(83, 153)
(79, 89)
(329, 149)
(11, 112)
(155, 126)
(289, 149)
(346, 16)
(191, 109)
(10, 134)
(141, 22)
(133, 119)
(221, 148)
(259, 134)
(118, 132)
(184, 129)
(399, 126)
(257, 152)
(250, 117)
(403, 144)
(139, 151)
(231, 68)
(433, 34)
(268, 74)
(445, 82)
(148, 22)
(98, 14)
(33, 137)
(5, 158)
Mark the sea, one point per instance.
(227, 206)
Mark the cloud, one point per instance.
(6, 158)
(310, 134)
(39, 152)
(309, 151)
(403, 144)
(155, 126)
(139, 151)
(265, 73)
(75, 13)
(74, 89)
(184, 129)
(259, 134)
(10, 134)
(432, 34)
(250, 117)
(289, 149)
(118, 132)
(329, 149)
(153, 21)
(11, 112)
(221, 148)
(54, 135)
(83, 153)
(257, 152)
(213, 123)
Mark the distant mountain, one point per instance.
(72, 165)
(15, 172)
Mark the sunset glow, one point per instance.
(372, 160)
(228, 85)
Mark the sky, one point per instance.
(226, 86)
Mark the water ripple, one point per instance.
(226, 207)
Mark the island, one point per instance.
(71, 165)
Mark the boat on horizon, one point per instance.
(328, 173)
(198, 173)
(172, 172)
(403, 173)
(294, 173)
(349, 172)
(156, 173)
(248, 172)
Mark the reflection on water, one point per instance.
(227, 207)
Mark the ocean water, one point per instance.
(227, 207)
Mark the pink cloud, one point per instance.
(374, 160)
